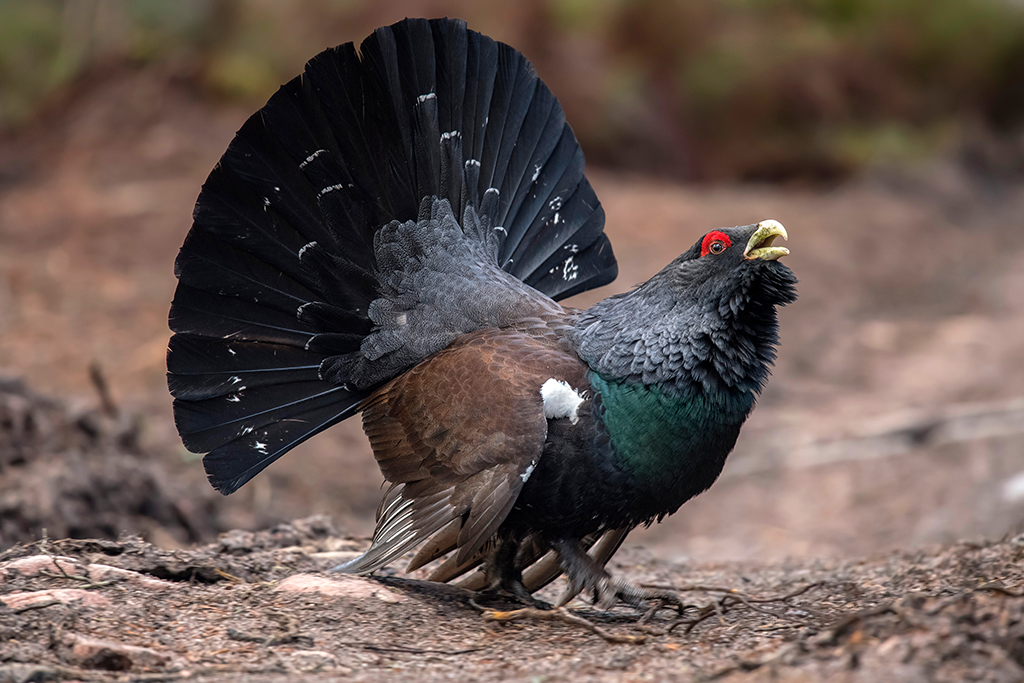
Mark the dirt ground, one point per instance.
(888, 447)
(258, 607)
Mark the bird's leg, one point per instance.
(585, 573)
(505, 578)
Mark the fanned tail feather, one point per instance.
(279, 271)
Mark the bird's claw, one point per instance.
(516, 592)
(609, 591)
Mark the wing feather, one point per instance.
(458, 461)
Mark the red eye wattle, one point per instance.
(715, 242)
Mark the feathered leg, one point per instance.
(505, 578)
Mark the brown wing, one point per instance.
(458, 436)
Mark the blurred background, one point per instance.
(887, 135)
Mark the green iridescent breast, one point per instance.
(659, 434)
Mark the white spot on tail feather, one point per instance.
(332, 188)
(304, 248)
(569, 270)
(560, 400)
(261, 447)
(536, 173)
(312, 156)
(428, 96)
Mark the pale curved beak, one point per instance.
(759, 246)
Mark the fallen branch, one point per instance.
(558, 614)
(745, 665)
(280, 639)
(85, 580)
(732, 598)
(410, 650)
(37, 605)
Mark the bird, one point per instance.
(390, 236)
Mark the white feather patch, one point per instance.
(560, 400)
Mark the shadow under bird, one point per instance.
(389, 235)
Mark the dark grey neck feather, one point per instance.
(687, 334)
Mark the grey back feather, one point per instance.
(437, 281)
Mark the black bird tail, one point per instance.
(279, 270)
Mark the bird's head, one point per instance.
(709, 317)
(731, 269)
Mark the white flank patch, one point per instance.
(1013, 490)
(560, 400)
(529, 470)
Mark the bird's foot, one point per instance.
(585, 574)
(609, 591)
(513, 590)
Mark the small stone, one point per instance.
(94, 653)
(36, 565)
(312, 661)
(63, 595)
(342, 586)
(102, 572)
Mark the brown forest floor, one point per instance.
(888, 446)
(258, 607)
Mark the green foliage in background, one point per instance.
(701, 89)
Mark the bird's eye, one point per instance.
(715, 242)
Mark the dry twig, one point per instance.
(36, 605)
(558, 614)
(86, 581)
(732, 598)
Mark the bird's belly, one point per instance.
(578, 487)
(581, 485)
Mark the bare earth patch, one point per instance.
(260, 606)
